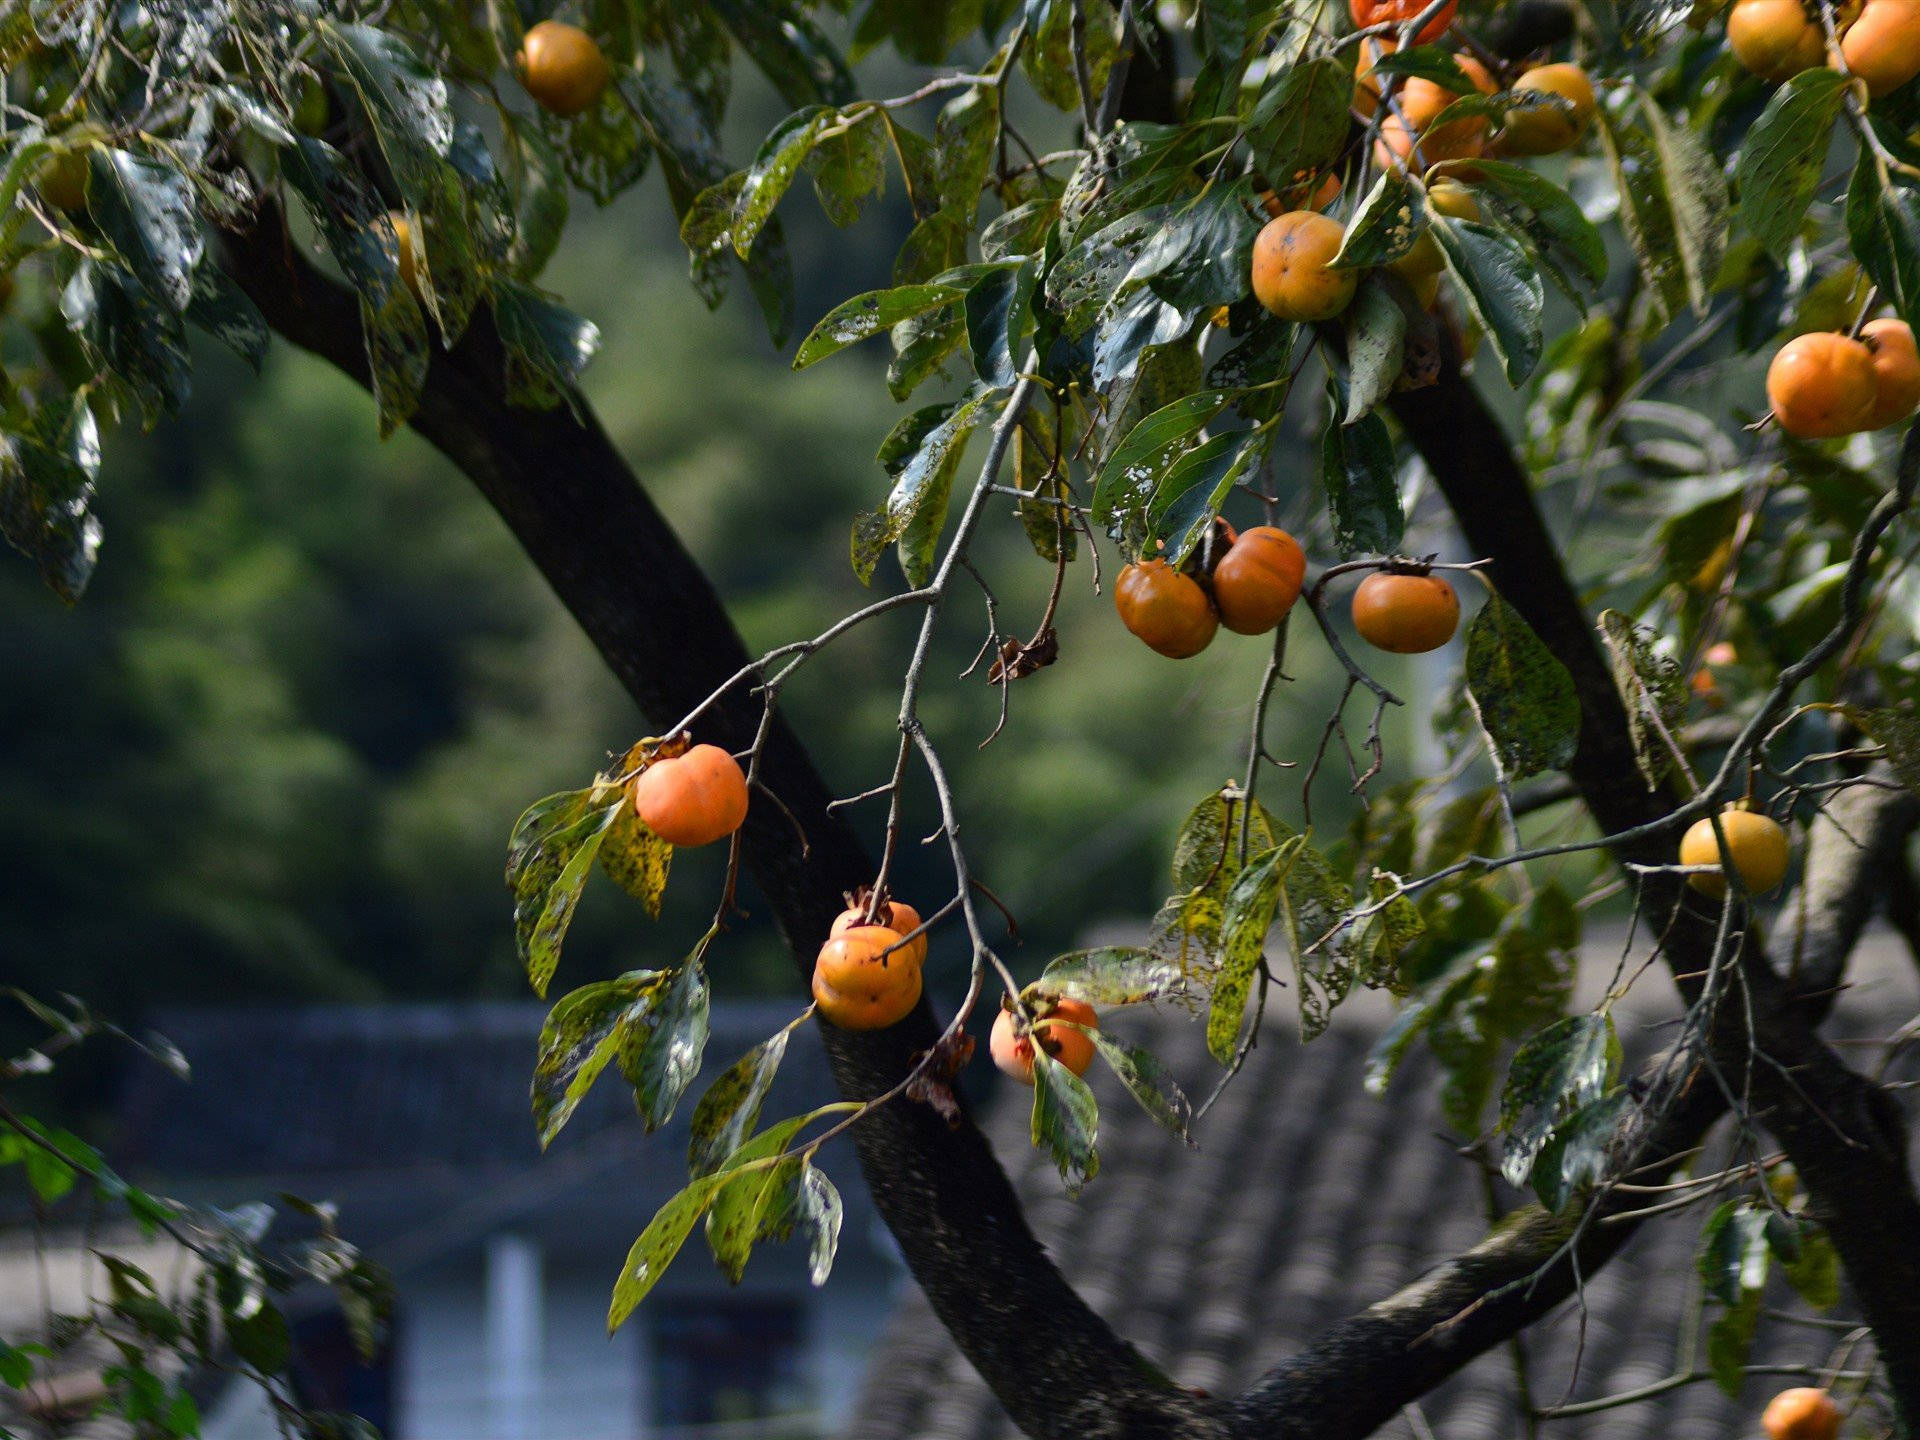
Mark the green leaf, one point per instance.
(1570, 1064)
(1048, 56)
(964, 138)
(850, 165)
(1112, 975)
(1247, 916)
(584, 1032)
(538, 181)
(1673, 201)
(1501, 288)
(1523, 696)
(261, 1339)
(922, 346)
(1545, 214)
(1653, 688)
(772, 172)
(1196, 485)
(1131, 474)
(1376, 329)
(1783, 155)
(1356, 467)
(552, 849)
(147, 210)
(650, 1255)
(790, 49)
(1579, 1152)
(1734, 1256)
(999, 312)
(1314, 900)
(223, 310)
(636, 859)
(1148, 1081)
(1066, 1120)
(1815, 1273)
(866, 315)
(922, 454)
(1883, 223)
(1384, 226)
(729, 1110)
(1200, 251)
(1730, 1344)
(47, 469)
(547, 346)
(661, 1046)
(1300, 121)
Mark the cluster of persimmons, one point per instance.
(1251, 586)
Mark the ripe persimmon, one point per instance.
(1166, 609)
(1896, 371)
(1822, 385)
(860, 982)
(1757, 843)
(1549, 129)
(1290, 273)
(1803, 1413)
(1882, 45)
(1072, 1048)
(1367, 13)
(895, 915)
(1444, 197)
(1775, 39)
(1405, 613)
(692, 799)
(561, 67)
(1419, 104)
(1256, 582)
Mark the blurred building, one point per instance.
(414, 1119)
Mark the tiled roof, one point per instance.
(1309, 1199)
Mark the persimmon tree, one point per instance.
(1687, 650)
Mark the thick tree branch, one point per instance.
(610, 556)
(1862, 829)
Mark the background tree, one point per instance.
(383, 185)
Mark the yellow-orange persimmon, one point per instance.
(860, 981)
(1882, 45)
(1775, 39)
(692, 799)
(1803, 1413)
(1166, 609)
(895, 915)
(1757, 843)
(1072, 1048)
(1405, 613)
(1549, 129)
(1822, 385)
(1256, 582)
(561, 67)
(1290, 272)
(1368, 13)
(1896, 371)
